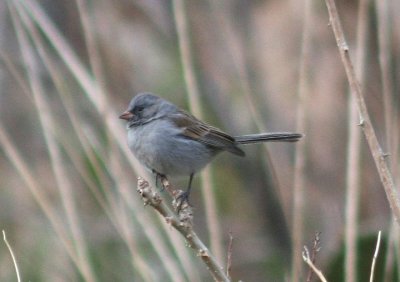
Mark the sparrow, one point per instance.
(171, 142)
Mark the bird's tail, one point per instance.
(268, 137)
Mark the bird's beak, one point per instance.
(126, 115)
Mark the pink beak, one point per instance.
(126, 115)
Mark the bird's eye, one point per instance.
(139, 109)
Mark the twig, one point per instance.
(378, 243)
(307, 259)
(12, 256)
(315, 249)
(183, 224)
(369, 132)
(229, 256)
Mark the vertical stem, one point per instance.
(236, 50)
(12, 256)
(369, 131)
(194, 104)
(384, 17)
(353, 152)
(374, 258)
(299, 169)
(61, 175)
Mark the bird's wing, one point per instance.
(197, 130)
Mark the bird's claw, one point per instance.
(182, 201)
(159, 180)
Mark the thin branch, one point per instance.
(378, 243)
(12, 256)
(307, 259)
(315, 249)
(183, 224)
(365, 123)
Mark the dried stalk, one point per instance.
(183, 224)
(378, 244)
(307, 259)
(353, 167)
(12, 256)
(365, 122)
(300, 157)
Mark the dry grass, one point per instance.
(68, 179)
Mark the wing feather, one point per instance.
(202, 132)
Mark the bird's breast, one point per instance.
(160, 146)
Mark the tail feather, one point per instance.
(268, 137)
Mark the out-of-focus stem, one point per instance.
(195, 107)
(353, 152)
(299, 168)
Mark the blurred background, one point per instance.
(68, 201)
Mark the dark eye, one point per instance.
(139, 109)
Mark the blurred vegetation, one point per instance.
(68, 182)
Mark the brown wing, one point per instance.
(202, 132)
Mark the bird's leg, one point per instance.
(159, 178)
(184, 197)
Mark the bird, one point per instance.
(170, 142)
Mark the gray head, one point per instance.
(145, 107)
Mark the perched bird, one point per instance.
(170, 142)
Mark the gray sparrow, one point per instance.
(169, 141)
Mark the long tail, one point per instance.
(268, 137)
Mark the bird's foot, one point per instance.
(182, 201)
(160, 180)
